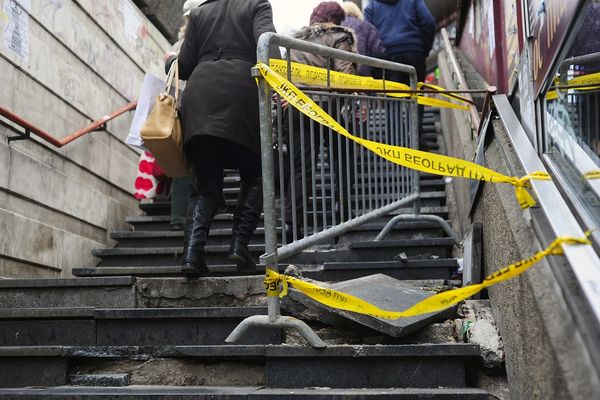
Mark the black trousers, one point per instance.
(210, 155)
(417, 60)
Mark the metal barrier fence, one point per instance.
(318, 184)
(582, 106)
(323, 179)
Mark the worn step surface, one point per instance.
(346, 366)
(172, 270)
(216, 237)
(402, 230)
(128, 327)
(418, 249)
(130, 292)
(384, 250)
(164, 207)
(161, 222)
(67, 292)
(409, 270)
(241, 393)
(164, 256)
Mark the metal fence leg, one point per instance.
(274, 319)
(410, 217)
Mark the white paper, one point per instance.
(151, 88)
(16, 31)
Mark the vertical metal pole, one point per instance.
(268, 172)
(414, 134)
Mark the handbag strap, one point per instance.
(173, 75)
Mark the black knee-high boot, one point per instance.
(200, 213)
(245, 219)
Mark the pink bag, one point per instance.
(151, 181)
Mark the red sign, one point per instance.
(550, 21)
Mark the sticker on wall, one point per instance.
(16, 31)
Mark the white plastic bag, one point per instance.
(151, 88)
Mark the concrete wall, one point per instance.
(79, 60)
(546, 357)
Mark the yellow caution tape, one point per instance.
(410, 158)
(437, 302)
(595, 174)
(316, 76)
(592, 82)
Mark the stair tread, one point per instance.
(424, 210)
(66, 282)
(165, 250)
(124, 313)
(436, 263)
(402, 243)
(215, 271)
(248, 351)
(378, 226)
(162, 218)
(258, 392)
(170, 234)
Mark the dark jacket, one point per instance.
(367, 38)
(219, 49)
(405, 26)
(329, 35)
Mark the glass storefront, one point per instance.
(572, 119)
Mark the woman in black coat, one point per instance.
(219, 117)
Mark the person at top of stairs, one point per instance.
(219, 115)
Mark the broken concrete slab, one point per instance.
(382, 291)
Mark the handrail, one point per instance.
(462, 83)
(585, 60)
(94, 126)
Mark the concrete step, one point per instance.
(173, 270)
(67, 292)
(164, 207)
(164, 256)
(128, 326)
(409, 270)
(383, 194)
(161, 222)
(402, 230)
(130, 292)
(385, 250)
(274, 366)
(136, 239)
(241, 393)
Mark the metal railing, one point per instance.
(581, 106)
(580, 282)
(30, 128)
(462, 82)
(318, 184)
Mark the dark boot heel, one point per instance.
(245, 220)
(201, 210)
(240, 255)
(194, 264)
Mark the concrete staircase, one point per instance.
(135, 327)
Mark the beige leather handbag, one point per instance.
(162, 130)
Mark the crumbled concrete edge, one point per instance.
(478, 326)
